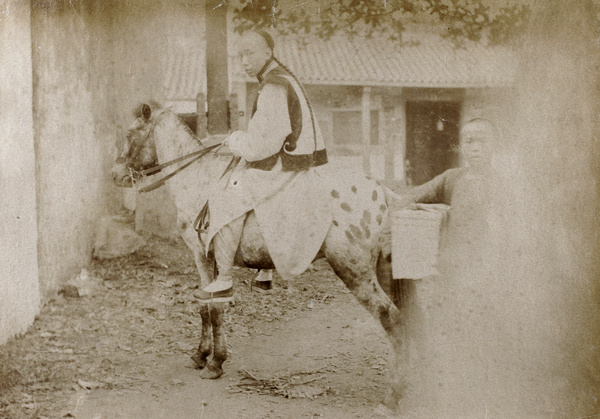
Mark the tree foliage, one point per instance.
(456, 19)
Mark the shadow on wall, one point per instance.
(155, 213)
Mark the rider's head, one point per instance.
(477, 139)
(256, 51)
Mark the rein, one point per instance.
(159, 167)
(195, 156)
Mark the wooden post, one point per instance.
(400, 126)
(217, 82)
(200, 115)
(366, 129)
(242, 92)
(234, 115)
(386, 127)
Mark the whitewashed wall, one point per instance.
(74, 133)
(19, 287)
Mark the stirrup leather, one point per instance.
(203, 220)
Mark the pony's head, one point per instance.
(139, 151)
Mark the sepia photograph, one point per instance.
(252, 209)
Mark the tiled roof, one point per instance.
(423, 61)
(185, 74)
(427, 62)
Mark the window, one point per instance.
(347, 127)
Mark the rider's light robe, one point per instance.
(288, 196)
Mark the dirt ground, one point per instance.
(123, 349)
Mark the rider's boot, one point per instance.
(226, 243)
(263, 281)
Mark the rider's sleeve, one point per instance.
(268, 128)
(438, 190)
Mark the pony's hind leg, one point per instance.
(206, 342)
(356, 268)
(214, 369)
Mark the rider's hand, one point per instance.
(233, 142)
(415, 206)
(403, 202)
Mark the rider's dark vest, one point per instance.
(291, 159)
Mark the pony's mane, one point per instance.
(185, 126)
(155, 106)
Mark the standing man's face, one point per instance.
(254, 52)
(476, 144)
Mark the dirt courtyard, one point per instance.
(123, 349)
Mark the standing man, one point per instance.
(466, 190)
(456, 187)
(461, 325)
(275, 178)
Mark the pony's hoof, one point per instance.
(199, 360)
(209, 297)
(211, 372)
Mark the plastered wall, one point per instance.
(19, 288)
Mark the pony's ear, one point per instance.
(146, 111)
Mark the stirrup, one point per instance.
(223, 296)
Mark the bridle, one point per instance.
(194, 156)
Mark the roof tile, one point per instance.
(424, 61)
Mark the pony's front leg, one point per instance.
(204, 267)
(217, 317)
(205, 347)
(203, 264)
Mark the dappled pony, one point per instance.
(353, 245)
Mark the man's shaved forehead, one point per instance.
(480, 124)
(254, 39)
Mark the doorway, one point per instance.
(432, 144)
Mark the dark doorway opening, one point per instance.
(432, 130)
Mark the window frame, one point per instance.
(355, 149)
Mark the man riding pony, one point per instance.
(276, 176)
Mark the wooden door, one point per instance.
(431, 139)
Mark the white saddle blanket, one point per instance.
(292, 210)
